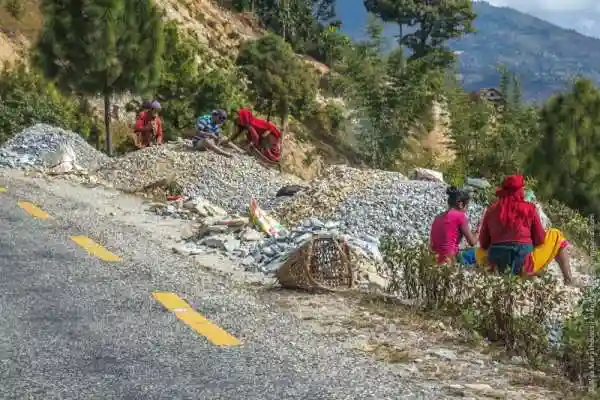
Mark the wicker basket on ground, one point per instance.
(321, 264)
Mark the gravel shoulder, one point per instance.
(352, 345)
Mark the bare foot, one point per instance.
(574, 282)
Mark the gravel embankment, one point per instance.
(30, 147)
(227, 182)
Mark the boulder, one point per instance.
(424, 174)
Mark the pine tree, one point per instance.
(389, 96)
(434, 23)
(103, 47)
(490, 142)
(280, 82)
(566, 163)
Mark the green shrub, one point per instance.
(16, 8)
(188, 88)
(572, 223)
(26, 98)
(327, 122)
(579, 355)
(502, 308)
(281, 85)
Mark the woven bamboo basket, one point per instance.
(321, 264)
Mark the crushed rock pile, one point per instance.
(372, 202)
(31, 147)
(357, 205)
(327, 191)
(226, 182)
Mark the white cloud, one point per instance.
(549, 5)
(580, 15)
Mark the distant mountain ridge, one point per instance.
(545, 56)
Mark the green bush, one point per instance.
(572, 223)
(26, 98)
(490, 141)
(16, 8)
(502, 308)
(280, 83)
(326, 121)
(565, 161)
(579, 355)
(188, 88)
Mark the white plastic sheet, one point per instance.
(61, 161)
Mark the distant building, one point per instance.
(491, 95)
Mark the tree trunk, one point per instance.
(107, 122)
(270, 110)
(96, 134)
(284, 127)
(284, 122)
(400, 35)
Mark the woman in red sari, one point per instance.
(263, 136)
(512, 236)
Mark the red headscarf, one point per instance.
(512, 207)
(247, 118)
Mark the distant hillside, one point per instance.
(544, 55)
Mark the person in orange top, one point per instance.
(149, 126)
(513, 239)
(142, 111)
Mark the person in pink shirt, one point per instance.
(449, 227)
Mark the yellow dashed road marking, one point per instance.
(33, 210)
(194, 320)
(95, 249)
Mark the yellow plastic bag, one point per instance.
(263, 221)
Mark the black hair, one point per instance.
(145, 105)
(456, 196)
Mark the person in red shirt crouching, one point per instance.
(513, 239)
(148, 126)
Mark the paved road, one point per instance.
(73, 326)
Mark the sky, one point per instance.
(580, 15)
(549, 5)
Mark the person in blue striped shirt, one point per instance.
(208, 132)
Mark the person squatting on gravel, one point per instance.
(144, 108)
(449, 227)
(207, 135)
(512, 236)
(148, 126)
(263, 136)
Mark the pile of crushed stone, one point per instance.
(229, 183)
(31, 147)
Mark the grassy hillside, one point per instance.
(544, 55)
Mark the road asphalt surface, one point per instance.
(73, 326)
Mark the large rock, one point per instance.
(423, 174)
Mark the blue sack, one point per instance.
(466, 257)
